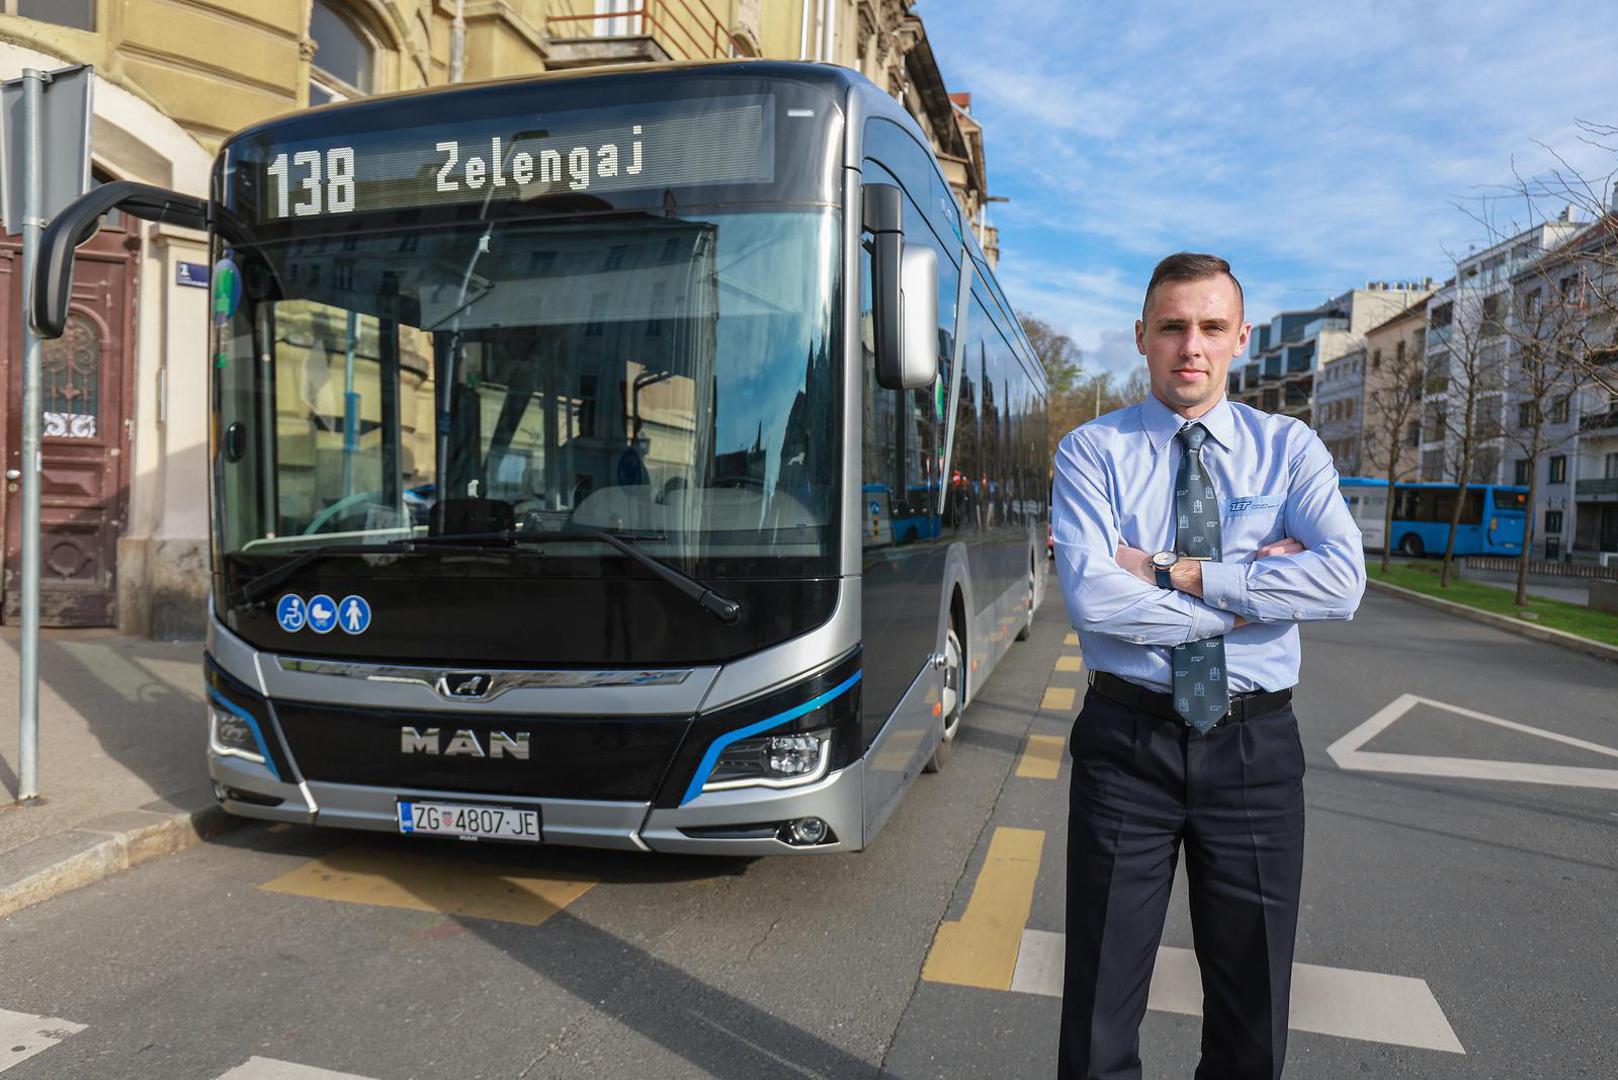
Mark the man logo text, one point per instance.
(463, 743)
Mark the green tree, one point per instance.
(1057, 353)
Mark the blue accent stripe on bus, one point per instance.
(712, 756)
(258, 736)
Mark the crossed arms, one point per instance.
(1317, 573)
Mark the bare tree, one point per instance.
(1466, 367)
(1544, 329)
(1394, 405)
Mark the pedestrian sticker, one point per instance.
(290, 613)
(354, 615)
(322, 614)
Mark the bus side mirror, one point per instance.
(78, 221)
(904, 295)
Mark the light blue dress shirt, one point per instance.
(1273, 477)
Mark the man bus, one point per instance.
(542, 417)
(1493, 518)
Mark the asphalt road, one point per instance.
(1457, 917)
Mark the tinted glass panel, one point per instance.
(341, 49)
(79, 14)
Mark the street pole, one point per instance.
(33, 82)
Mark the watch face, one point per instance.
(1164, 559)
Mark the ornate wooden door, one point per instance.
(85, 393)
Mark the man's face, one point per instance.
(1191, 331)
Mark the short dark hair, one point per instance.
(1192, 266)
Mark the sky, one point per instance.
(1316, 146)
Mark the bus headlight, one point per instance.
(231, 736)
(772, 761)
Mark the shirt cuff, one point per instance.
(1224, 586)
(1206, 622)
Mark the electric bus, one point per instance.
(1493, 516)
(578, 456)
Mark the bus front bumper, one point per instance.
(741, 821)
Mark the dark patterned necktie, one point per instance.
(1201, 695)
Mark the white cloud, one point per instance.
(1314, 146)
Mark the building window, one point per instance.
(345, 56)
(1559, 409)
(1413, 435)
(78, 14)
(1525, 414)
(1442, 314)
(1524, 471)
(1611, 469)
(1558, 469)
(1553, 521)
(1376, 357)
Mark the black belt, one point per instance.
(1154, 703)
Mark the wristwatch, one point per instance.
(1162, 563)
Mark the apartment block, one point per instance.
(1287, 354)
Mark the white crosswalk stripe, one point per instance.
(22, 1035)
(1395, 1009)
(258, 1068)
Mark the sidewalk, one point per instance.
(122, 775)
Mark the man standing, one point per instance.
(1192, 535)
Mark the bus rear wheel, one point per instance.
(951, 703)
(1411, 545)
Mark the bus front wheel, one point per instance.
(1411, 545)
(951, 704)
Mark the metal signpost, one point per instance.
(38, 178)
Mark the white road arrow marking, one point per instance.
(22, 1035)
(258, 1068)
(1347, 754)
(1364, 1005)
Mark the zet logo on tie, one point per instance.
(322, 614)
(354, 615)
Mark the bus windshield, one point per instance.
(665, 377)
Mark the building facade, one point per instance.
(124, 512)
(1467, 357)
(1340, 410)
(1563, 307)
(1286, 354)
(1394, 352)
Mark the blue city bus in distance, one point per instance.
(1493, 516)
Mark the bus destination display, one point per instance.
(712, 141)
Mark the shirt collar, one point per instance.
(1161, 422)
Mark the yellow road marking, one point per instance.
(981, 948)
(1069, 663)
(1058, 699)
(1042, 757)
(1071, 639)
(424, 883)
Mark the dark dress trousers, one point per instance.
(1144, 786)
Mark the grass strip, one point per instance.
(1558, 615)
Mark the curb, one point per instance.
(101, 848)
(1597, 649)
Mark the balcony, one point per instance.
(1600, 421)
(1596, 489)
(655, 31)
(1316, 328)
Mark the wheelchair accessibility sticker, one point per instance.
(290, 613)
(322, 614)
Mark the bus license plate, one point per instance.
(469, 821)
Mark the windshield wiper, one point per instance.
(256, 586)
(720, 607)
